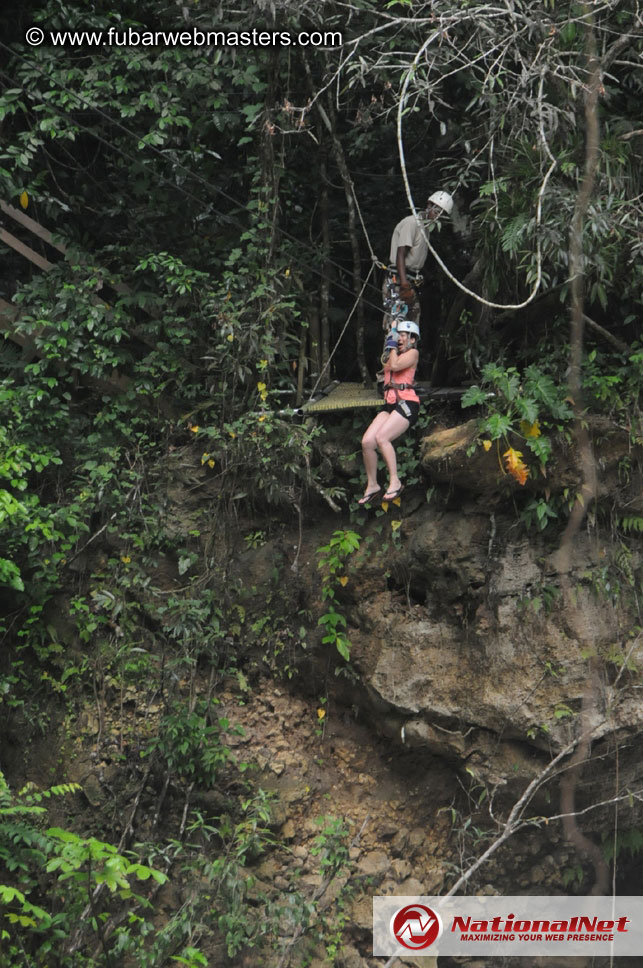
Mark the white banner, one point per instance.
(525, 925)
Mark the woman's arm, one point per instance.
(401, 361)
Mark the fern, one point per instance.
(22, 843)
(630, 840)
(631, 524)
(32, 795)
(513, 234)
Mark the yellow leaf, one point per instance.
(204, 458)
(194, 428)
(125, 559)
(530, 429)
(515, 465)
(24, 200)
(397, 501)
(321, 714)
(396, 525)
(343, 581)
(486, 444)
(384, 505)
(210, 463)
(287, 273)
(230, 337)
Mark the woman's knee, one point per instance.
(382, 439)
(368, 441)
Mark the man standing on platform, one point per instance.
(407, 257)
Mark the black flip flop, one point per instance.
(391, 495)
(368, 499)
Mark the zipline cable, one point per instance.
(339, 338)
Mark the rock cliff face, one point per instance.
(469, 644)
(476, 661)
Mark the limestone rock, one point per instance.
(350, 957)
(412, 887)
(373, 864)
(445, 459)
(450, 456)
(288, 831)
(93, 790)
(402, 869)
(473, 658)
(361, 913)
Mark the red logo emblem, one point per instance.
(416, 926)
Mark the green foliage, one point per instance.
(192, 958)
(178, 181)
(542, 598)
(331, 845)
(540, 511)
(614, 577)
(631, 523)
(55, 876)
(560, 712)
(529, 406)
(88, 863)
(332, 563)
(630, 841)
(221, 901)
(25, 524)
(573, 877)
(613, 383)
(189, 742)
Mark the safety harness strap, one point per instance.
(392, 385)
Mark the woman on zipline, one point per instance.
(401, 410)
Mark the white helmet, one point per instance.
(408, 326)
(443, 199)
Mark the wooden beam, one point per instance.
(32, 225)
(7, 309)
(47, 237)
(44, 264)
(25, 251)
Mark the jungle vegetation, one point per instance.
(220, 210)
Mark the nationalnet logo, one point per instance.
(518, 926)
(416, 926)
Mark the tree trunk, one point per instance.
(340, 160)
(325, 279)
(329, 121)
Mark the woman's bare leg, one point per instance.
(369, 452)
(393, 428)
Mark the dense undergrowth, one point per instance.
(161, 352)
(86, 522)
